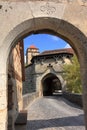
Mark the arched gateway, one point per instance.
(50, 84)
(64, 18)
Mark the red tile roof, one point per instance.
(33, 47)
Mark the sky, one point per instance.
(45, 42)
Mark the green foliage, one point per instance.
(72, 76)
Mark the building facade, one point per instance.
(44, 74)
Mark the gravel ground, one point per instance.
(54, 113)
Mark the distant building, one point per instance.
(31, 51)
(44, 72)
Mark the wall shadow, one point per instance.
(57, 122)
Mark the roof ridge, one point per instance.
(68, 50)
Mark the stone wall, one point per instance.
(74, 98)
(29, 98)
(15, 78)
(57, 1)
(28, 85)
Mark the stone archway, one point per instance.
(24, 20)
(50, 84)
(63, 32)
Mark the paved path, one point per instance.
(54, 113)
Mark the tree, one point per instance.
(72, 76)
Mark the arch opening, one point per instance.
(50, 85)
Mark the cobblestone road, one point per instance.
(54, 113)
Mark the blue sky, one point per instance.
(45, 42)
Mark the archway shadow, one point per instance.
(56, 122)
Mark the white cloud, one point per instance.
(54, 38)
(25, 58)
(67, 46)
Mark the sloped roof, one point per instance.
(65, 50)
